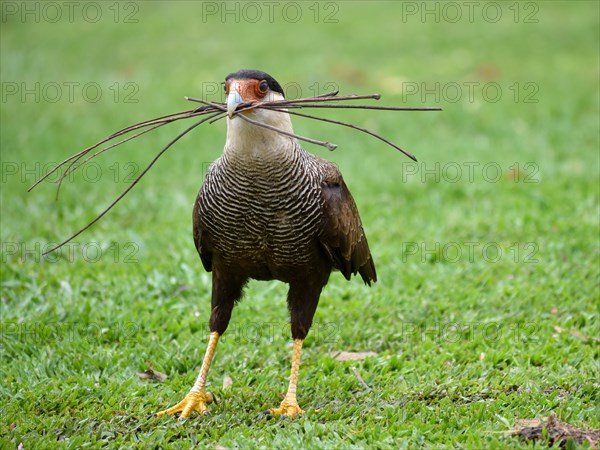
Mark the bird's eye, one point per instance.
(263, 86)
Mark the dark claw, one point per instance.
(263, 414)
(214, 398)
(151, 416)
(283, 417)
(207, 414)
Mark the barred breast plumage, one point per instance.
(264, 214)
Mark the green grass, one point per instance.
(466, 340)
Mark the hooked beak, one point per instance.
(233, 99)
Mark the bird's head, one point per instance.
(245, 86)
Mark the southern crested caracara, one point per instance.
(270, 210)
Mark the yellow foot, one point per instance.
(194, 401)
(287, 409)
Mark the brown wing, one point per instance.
(201, 244)
(343, 237)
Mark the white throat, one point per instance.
(245, 139)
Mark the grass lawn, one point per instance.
(487, 250)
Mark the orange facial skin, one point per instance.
(249, 90)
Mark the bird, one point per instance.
(270, 210)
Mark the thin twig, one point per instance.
(163, 119)
(72, 168)
(330, 95)
(318, 98)
(327, 145)
(360, 380)
(377, 108)
(349, 125)
(139, 177)
(157, 122)
(216, 111)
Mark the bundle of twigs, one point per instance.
(211, 112)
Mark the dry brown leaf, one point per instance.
(555, 431)
(528, 423)
(562, 393)
(577, 334)
(351, 356)
(151, 374)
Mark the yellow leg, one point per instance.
(197, 399)
(289, 406)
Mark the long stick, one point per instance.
(349, 125)
(216, 111)
(139, 177)
(163, 119)
(327, 145)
